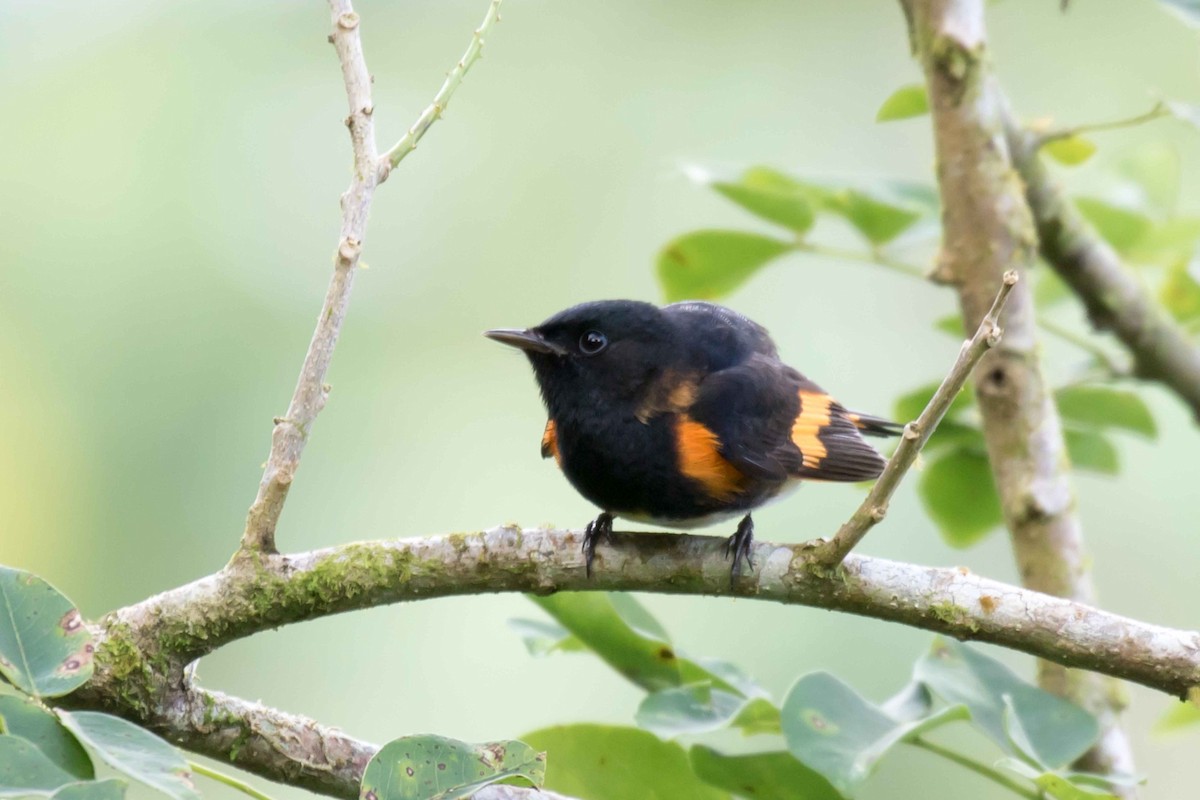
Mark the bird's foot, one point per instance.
(601, 526)
(739, 546)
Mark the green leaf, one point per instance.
(907, 101)
(1091, 450)
(699, 708)
(771, 196)
(771, 776)
(879, 221)
(1058, 731)
(437, 768)
(951, 324)
(1101, 407)
(1181, 715)
(1123, 228)
(712, 263)
(1186, 10)
(958, 492)
(24, 769)
(109, 789)
(133, 751)
(1167, 242)
(20, 717)
(45, 649)
(1180, 294)
(1049, 288)
(644, 657)
(1070, 150)
(1059, 788)
(542, 638)
(602, 762)
(837, 733)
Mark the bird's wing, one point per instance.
(771, 423)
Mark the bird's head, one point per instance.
(604, 353)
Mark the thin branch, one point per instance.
(875, 257)
(1159, 111)
(1115, 300)
(916, 434)
(228, 780)
(174, 628)
(454, 79)
(1110, 366)
(988, 229)
(291, 430)
(978, 767)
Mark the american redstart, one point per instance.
(684, 415)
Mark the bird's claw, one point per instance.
(601, 526)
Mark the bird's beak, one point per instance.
(528, 340)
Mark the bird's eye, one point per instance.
(592, 342)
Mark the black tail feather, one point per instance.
(876, 426)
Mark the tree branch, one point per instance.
(916, 434)
(282, 747)
(988, 230)
(1115, 300)
(142, 649)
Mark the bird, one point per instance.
(683, 416)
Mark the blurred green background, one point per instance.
(169, 179)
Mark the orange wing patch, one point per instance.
(550, 442)
(700, 459)
(813, 418)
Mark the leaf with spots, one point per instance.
(437, 768)
(29, 721)
(831, 729)
(133, 751)
(45, 649)
(26, 770)
(1051, 730)
(605, 762)
(774, 775)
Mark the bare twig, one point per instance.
(454, 78)
(1115, 300)
(917, 433)
(178, 626)
(988, 229)
(291, 430)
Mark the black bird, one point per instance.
(684, 415)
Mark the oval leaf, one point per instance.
(45, 649)
(1070, 150)
(42, 729)
(907, 101)
(1092, 451)
(1122, 227)
(437, 768)
(110, 789)
(1180, 294)
(1056, 730)
(710, 264)
(765, 195)
(133, 751)
(837, 733)
(697, 708)
(24, 769)
(603, 762)
(959, 494)
(777, 776)
(1101, 407)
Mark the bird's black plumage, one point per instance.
(685, 414)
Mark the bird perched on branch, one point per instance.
(684, 415)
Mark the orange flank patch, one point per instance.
(814, 416)
(550, 442)
(700, 459)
